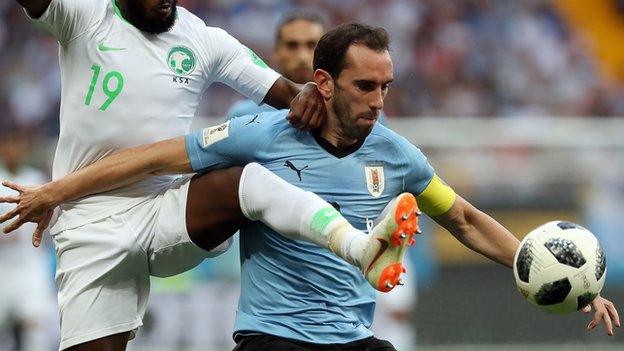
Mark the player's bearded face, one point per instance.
(152, 16)
(360, 90)
(354, 125)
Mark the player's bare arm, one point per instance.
(481, 233)
(307, 108)
(35, 204)
(35, 8)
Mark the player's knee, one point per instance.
(215, 240)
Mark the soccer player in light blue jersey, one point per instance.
(298, 296)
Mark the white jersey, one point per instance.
(122, 87)
(16, 251)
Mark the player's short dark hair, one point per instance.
(330, 51)
(299, 15)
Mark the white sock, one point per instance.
(297, 214)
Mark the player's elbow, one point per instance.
(460, 218)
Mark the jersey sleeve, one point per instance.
(68, 19)
(233, 143)
(239, 67)
(434, 197)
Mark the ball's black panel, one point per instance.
(567, 225)
(525, 258)
(565, 251)
(553, 293)
(584, 300)
(601, 262)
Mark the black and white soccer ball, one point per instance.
(560, 267)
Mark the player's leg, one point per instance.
(221, 201)
(218, 200)
(103, 281)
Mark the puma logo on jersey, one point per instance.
(292, 166)
(253, 120)
(104, 48)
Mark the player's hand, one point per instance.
(33, 205)
(307, 109)
(604, 310)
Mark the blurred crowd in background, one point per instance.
(452, 58)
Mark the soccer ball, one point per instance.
(560, 267)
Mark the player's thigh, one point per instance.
(103, 280)
(213, 211)
(173, 248)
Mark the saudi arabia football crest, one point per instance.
(375, 180)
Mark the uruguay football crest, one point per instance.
(375, 180)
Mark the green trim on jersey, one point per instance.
(256, 59)
(118, 11)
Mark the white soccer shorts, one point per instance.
(103, 268)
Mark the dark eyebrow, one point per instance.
(366, 82)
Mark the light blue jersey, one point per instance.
(294, 289)
(248, 107)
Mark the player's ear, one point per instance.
(324, 83)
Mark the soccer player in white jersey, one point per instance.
(133, 72)
(27, 294)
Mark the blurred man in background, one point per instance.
(27, 302)
(295, 39)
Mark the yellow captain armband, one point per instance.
(437, 198)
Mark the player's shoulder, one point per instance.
(263, 120)
(189, 21)
(382, 137)
(94, 11)
(259, 129)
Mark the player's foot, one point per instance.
(382, 262)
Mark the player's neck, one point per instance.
(333, 133)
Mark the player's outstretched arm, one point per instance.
(35, 8)
(35, 204)
(479, 232)
(483, 234)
